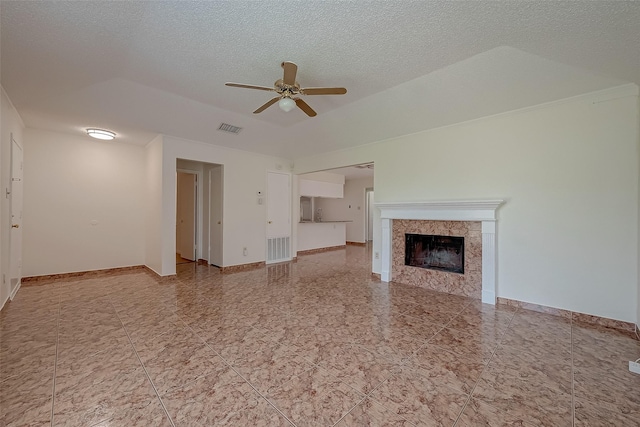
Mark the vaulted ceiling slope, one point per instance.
(146, 67)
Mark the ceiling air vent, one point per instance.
(226, 127)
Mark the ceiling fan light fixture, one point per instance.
(106, 135)
(286, 104)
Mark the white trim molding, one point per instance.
(457, 210)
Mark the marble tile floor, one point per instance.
(319, 342)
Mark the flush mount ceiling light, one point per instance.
(101, 134)
(286, 104)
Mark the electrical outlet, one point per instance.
(244, 251)
(377, 255)
(634, 367)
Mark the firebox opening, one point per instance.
(444, 253)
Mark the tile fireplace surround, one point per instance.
(467, 284)
(483, 211)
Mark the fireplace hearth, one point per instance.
(432, 252)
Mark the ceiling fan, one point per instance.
(289, 91)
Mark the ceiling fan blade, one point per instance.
(305, 107)
(267, 105)
(290, 70)
(323, 91)
(250, 86)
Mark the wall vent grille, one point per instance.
(226, 127)
(278, 249)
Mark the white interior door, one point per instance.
(186, 215)
(216, 229)
(15, 253)
(278, 217)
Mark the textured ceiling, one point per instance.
(142, 68)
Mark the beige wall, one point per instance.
(129, 190)
(244, 220)
(568, 232)
(84, 203)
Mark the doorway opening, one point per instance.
(199, 209)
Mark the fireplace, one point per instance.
(444, 256)
(477, 216)
(432, 252)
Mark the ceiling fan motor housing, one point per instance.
(287, 90)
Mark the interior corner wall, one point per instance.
(153, 205)
(567, 234)
(350, 208)
(83, 204)
(244, 219)
(10, 123)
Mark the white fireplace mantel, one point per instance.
(456, 210)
